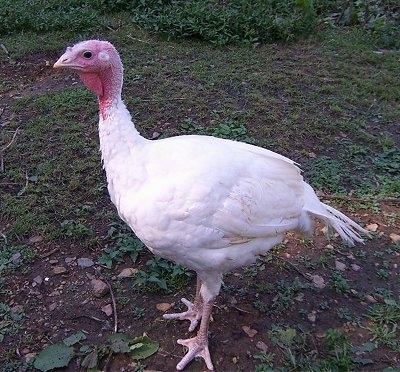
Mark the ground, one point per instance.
(313, 288)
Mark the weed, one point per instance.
(139, 312)
(10, 319)
(75, 229)
(161, 274)
(384, 323)
(382, 274)
(287, 292)
(339, 349)
(340, 283)
(123, 242)
(267, 360)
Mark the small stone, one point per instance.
(29, 356)
(85, 262)
(318, 281)
(59, 270)
(54, 293)
(370, 299)
(340, 265)
(38, 279)
(100, 288)
(355, 267)
(35, 239)
(164, 306)
(16, 257)
(249, 332)
(68, 260)
(53, 262)
(127, 272)
(53, 306)
(262, 346)
(107, 309)
(312, 317)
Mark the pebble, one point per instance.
(107, 309)
(59, 270)
(100, 288)
(85, 262)
(340, 265)
(68, 260)
(355, 267)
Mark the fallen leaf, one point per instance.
(107, 309)
(164, 306)
(372, 227)
(127, 272)
(395, 238)
(250, 332)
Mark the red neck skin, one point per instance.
(106, 84)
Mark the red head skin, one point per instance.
(100, 69)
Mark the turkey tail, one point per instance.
(348, 230)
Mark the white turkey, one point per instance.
(207, 203)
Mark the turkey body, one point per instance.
(207, 203)
(204, 202)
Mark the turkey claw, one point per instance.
(193, 314)
(196, 349)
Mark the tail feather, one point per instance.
(348, 230)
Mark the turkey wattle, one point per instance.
(207, 203)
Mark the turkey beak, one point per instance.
(62, 62)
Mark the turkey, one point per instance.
(207, 203)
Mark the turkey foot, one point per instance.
(193, 313)
(198, 347)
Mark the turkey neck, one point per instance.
(107, 85)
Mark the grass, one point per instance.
(329, 102)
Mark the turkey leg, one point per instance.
(198, 346)
(194, 311)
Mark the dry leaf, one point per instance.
(395, 238)
(249, 332)
(127, 272)
(107, 309)
(372, 227)
(164, 306)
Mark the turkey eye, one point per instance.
(87, 54)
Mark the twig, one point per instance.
(114, 305)
(49, 253)
(164, 99)
(293, 266)
(3, 149)
(12, 140)
(2, 46)
(139, 40)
